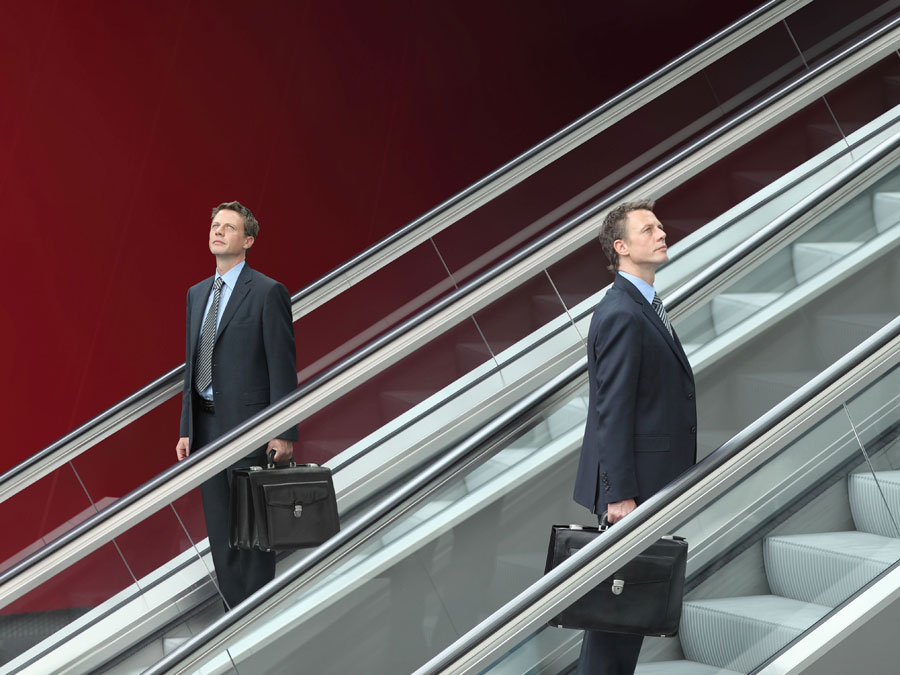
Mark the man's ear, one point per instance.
(620, 247)
(248, 242)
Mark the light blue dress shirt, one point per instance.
(229, 279)
(645, 289)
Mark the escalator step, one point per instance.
(826, 568)
(741, 633)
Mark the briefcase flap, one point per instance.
(300, 514)
(646, 569)
(289, 495)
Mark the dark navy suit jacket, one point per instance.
(254, 358)
(641, 429)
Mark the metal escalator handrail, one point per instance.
(533, 599)
(351, 272)
(526, 406)
(189, 473)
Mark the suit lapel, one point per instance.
(240, 291)
(671, 340)
(653, 318)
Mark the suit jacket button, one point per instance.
(690, 396)
(693, 430)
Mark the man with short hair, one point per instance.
(641, 429)
(239, 358)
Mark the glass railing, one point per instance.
(418, 571)
(799, 535)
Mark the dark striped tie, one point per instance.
(658, 306)
(203, 367)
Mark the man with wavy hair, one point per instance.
(641, 429)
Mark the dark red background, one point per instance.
(121, 124)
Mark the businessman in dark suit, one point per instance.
(239, 358)
(641, 429)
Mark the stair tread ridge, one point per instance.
(752, 605)
(891, 477)
(867, 546)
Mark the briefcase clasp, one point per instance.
(618, 585)
(298, 510)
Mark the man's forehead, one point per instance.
(642, 217)
(227, 215)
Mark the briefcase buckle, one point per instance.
(298, 510)
(618, 585)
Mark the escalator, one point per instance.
(460, 546)
(794, 543)
(498, 329)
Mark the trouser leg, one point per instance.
(609, 653)
(239, 573)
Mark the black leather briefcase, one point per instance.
(642, 598)
(282, 508)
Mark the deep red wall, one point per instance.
(122, 123)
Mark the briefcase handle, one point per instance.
(292, 465)
(604, 522)
(271, 464)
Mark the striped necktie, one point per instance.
(658, 306)
(203, 367)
